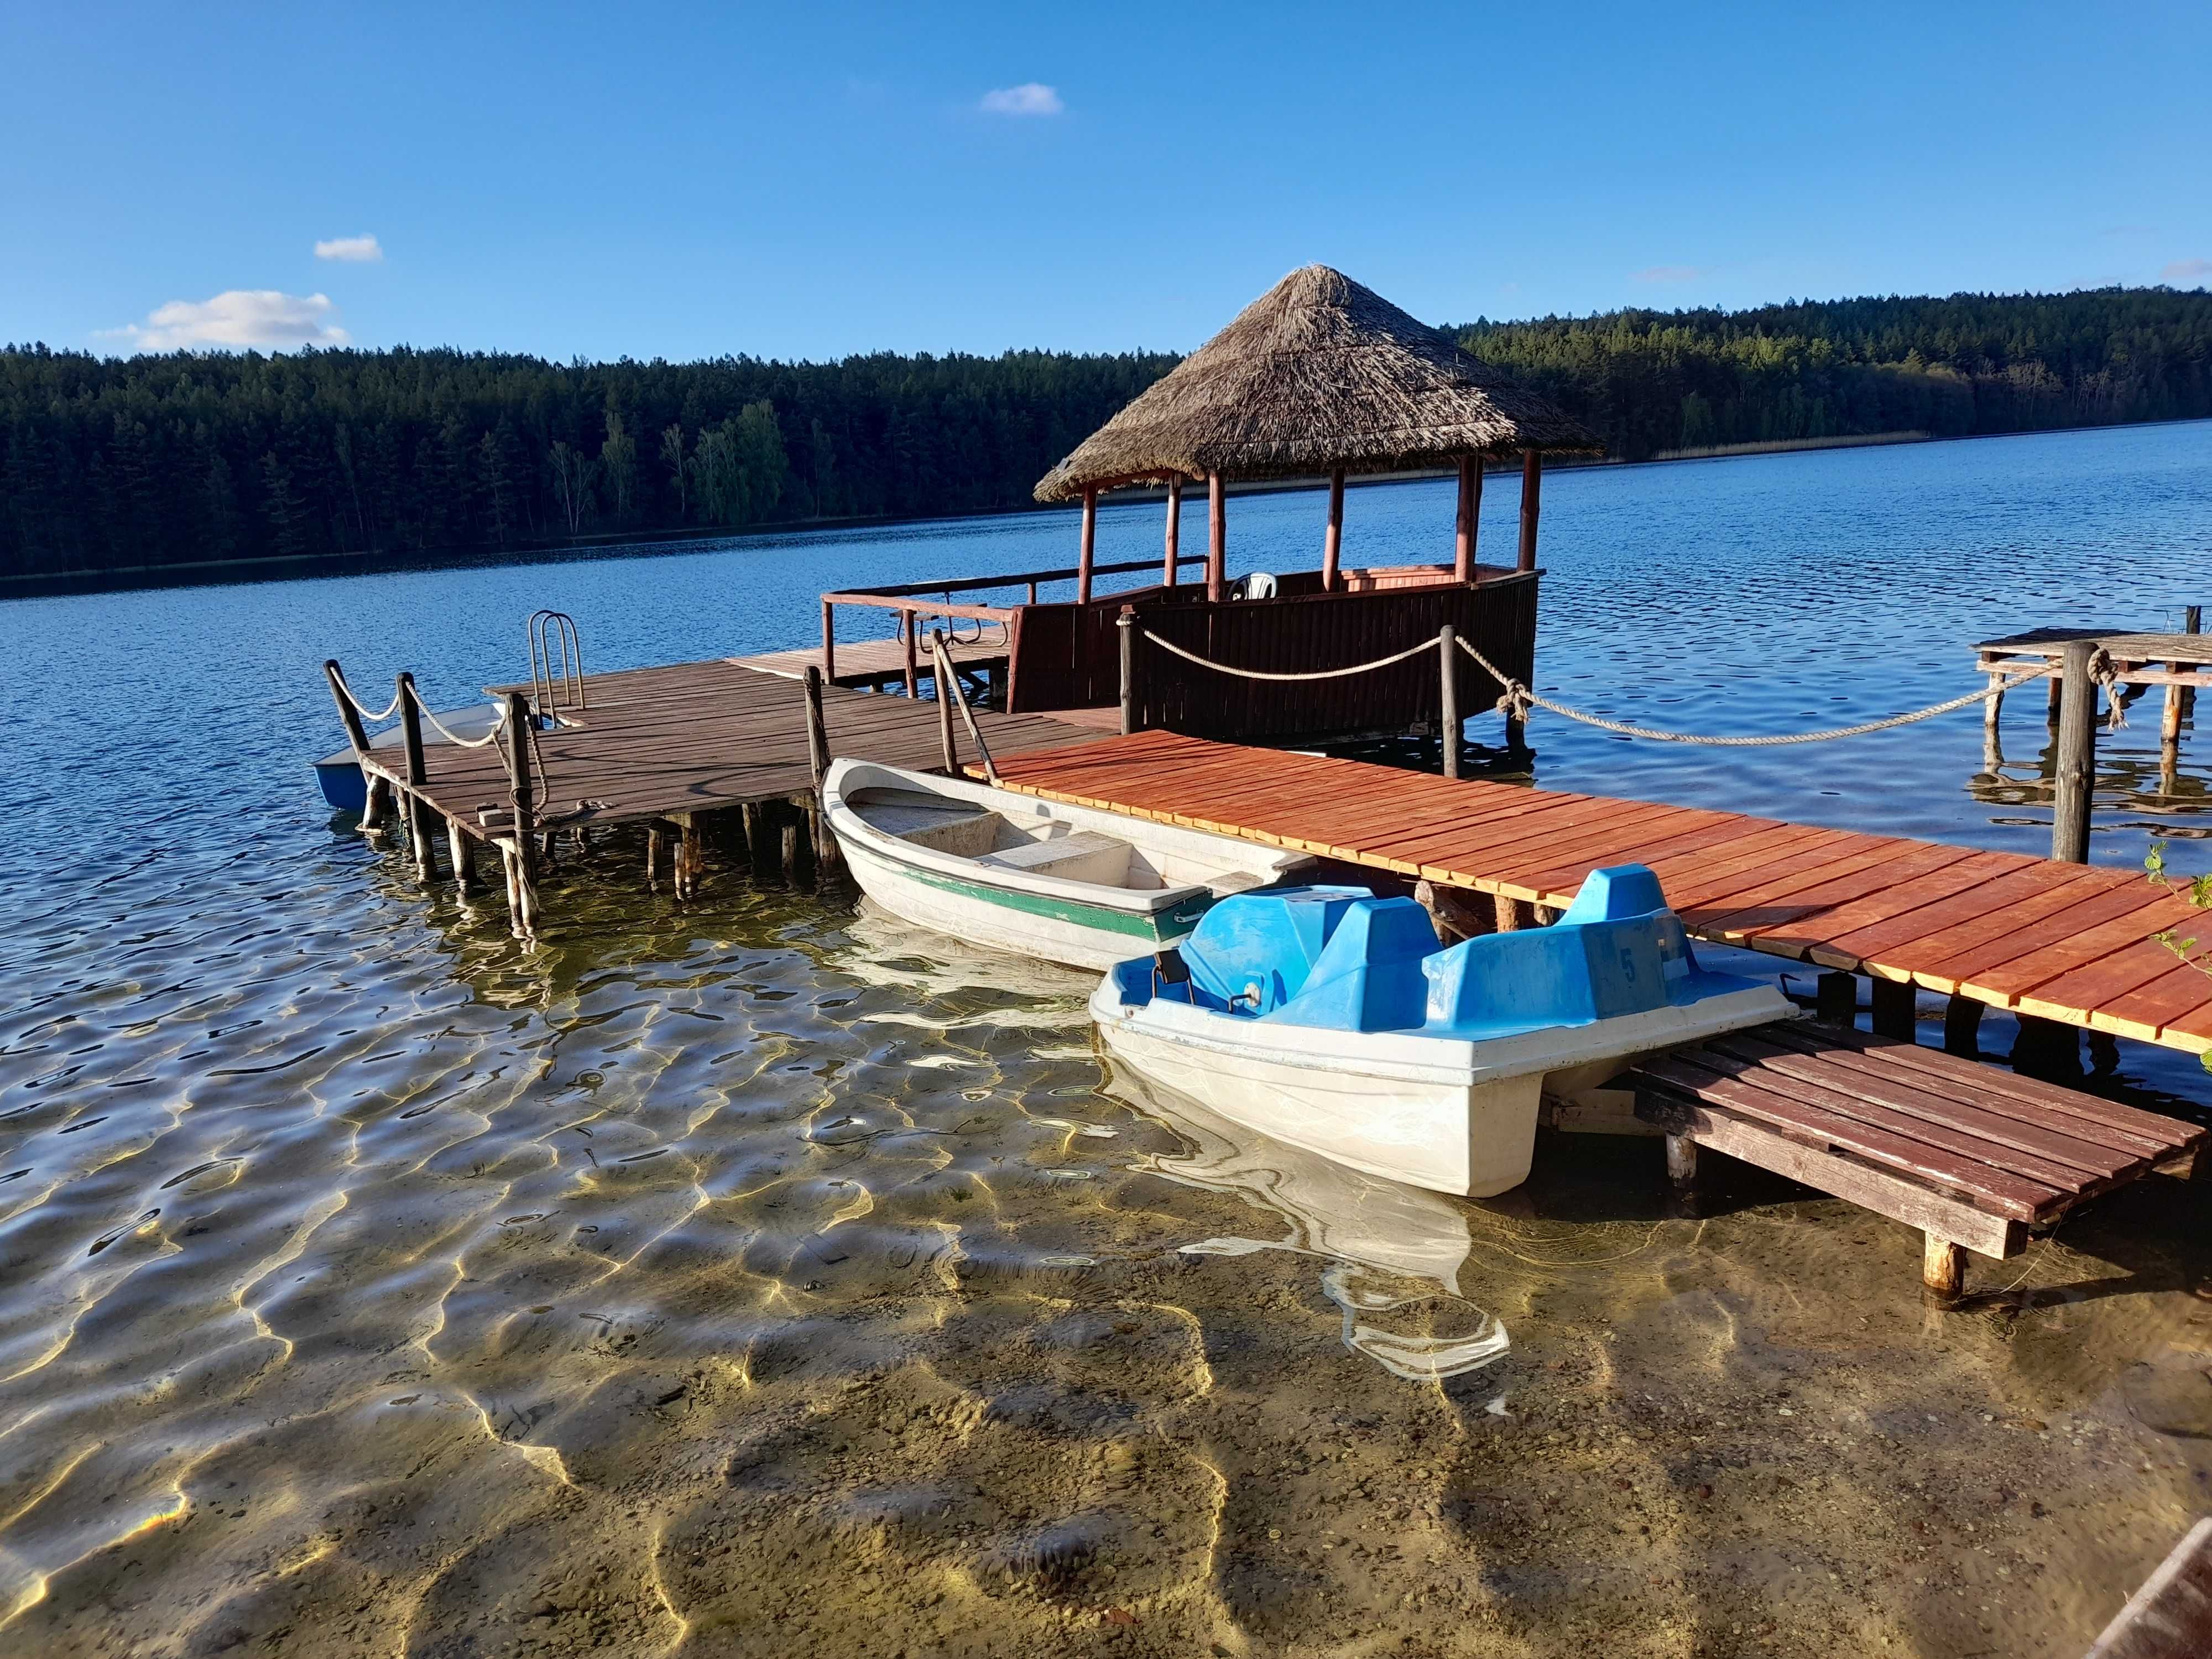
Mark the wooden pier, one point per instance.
(2069, 943)
(693, 751)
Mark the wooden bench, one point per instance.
(1976, 1159)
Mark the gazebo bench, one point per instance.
(1976, 1159)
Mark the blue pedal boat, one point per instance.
(1335, 1020)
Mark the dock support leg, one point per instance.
(1992, 714)
(1942, 1267)
(464, 874)
(691, 860)
(2169, 737)
(755, 822)
(1509, 918)
(2056, 694)
(1682, 1162)
(1895, 1009)
(1962, 1027)
(521, 888)
(652, 858)
(791, 852)
(1835, 998)
(378, 807)
(2048, 1050)
(827, 859)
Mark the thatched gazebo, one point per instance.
(1318, 377)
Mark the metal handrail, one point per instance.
(543, 630)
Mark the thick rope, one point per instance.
(1320, 674)
(440, 728)
(362, 708)
(1518, 698)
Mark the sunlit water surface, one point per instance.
(752, 1275)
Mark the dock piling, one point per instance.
(1942, 1267)
(2076, 756)
(519, 850)
(1448, 699)
(1895, 1008)
(1125, 625)
(1835, 998)
(464, 858)
(418, 809)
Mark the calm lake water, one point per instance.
(755, 1276)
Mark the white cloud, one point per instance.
(358, 250)
(1031, 98)
(1666, 274)
(2182, 270)
(241, 317)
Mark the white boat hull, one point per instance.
(1452, 1116)
(1089, 924)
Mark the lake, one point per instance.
(753, 1274)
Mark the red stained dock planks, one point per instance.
(2061, 941)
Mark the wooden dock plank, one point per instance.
(2062, 941)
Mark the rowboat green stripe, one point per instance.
(1155, 927)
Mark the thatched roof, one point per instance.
(1317, 372)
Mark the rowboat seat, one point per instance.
(1084, 855)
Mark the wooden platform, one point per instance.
(661, 743)
(1974, 1156)
(2065, 942)
(880, 662)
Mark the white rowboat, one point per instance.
(1035, 878)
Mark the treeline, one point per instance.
(1648, 382)
(115, 464)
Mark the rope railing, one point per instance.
(1518, 698)
(368, 716)
(1316, 674)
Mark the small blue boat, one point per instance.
(339, 775)
(1337, 1021)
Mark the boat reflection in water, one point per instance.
(1392, 1255)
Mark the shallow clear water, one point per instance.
(752, 1275)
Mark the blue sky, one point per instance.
(684, 181)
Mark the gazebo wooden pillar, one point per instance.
(1470, 513)
(1216, 538)
(1332, 541)
(1171, 557)
(1532, 500)
(1089, 547)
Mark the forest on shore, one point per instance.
(184, 459)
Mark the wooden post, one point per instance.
(1125, 624)
(2077, 759)
(1532, 501)
(754, 815)
(522, 875)
(817, 731)
(1089, 547)
(907, 634)
(1331, 540)
(1509, 914)
(690, 857)
(419, 827)
(1171, 556)
(1447, 727)
(791, 850)
(1216, 538)
(1992, 713)
(2057, 684)
(1962, 1027)
(943, 663)
(1895, 1009)
(348, 716)
(464, 858)
(652, 840)
(2169, 736)
(1835, 998)
(1469, 519)
(2192, 622)
(1942, 1267)
(1681, 1161)
(829, 640)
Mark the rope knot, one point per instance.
(1515, 704)
(2106, 678)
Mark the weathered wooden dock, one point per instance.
(690, 750)
(2069, 943)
